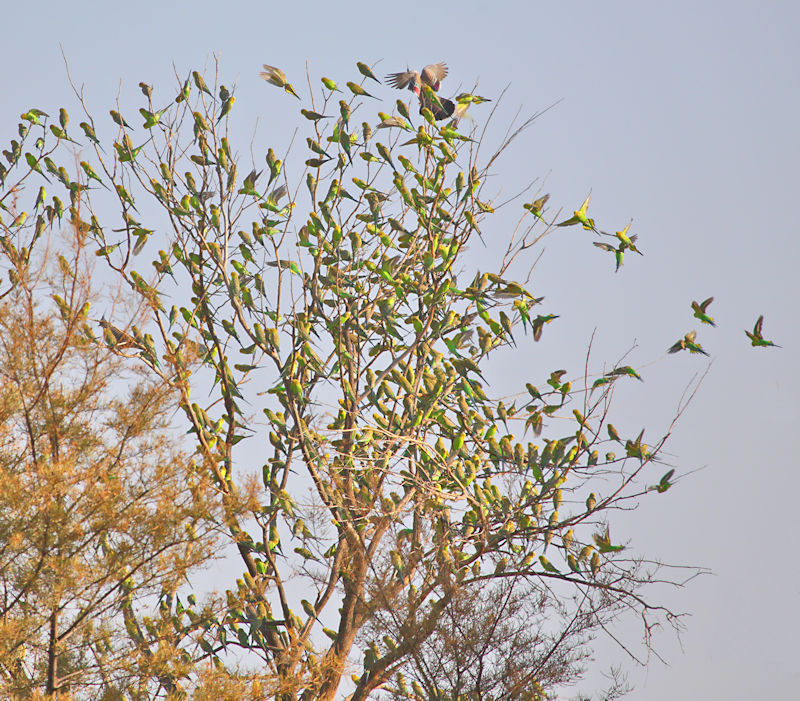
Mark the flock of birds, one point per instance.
(689, 341)
(425, 85)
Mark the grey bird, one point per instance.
(430, 76)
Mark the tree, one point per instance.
(324, 311)
(100, 511)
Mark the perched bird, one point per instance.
(356, 89)
(439, 106)
(117, 337)
(535, 207)
(687, 343)
(388, 121)
(756, 339)
(431, 76)
(277, 77)
(364, 69)
(700, 311)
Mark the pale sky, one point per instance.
(681, 116)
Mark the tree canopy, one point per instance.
(390, 525)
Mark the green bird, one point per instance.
(147, 90)
(466, 98)
(388, 122)
(463, 101)
(33, 115)
(60, 133)
(200, 83)
(579, 216)
(699, 310)
(275, 76)
(687, 343)
(87, 129)
(313, 116)
(90, 173)
(402, 108)
(756, 339)
(226, 108)
(356, 89)
(151, 118)
(537, 325)
(186, 90)
(618, 252)
(344, 110)
(117, 337)
(603, 542)
(364, 69)
(118, 119)
(40, 198)
(58, 207)
(628, 241)
(664, 483)
(547, 565)
(316, 162)
(535, 207)
(330, 84)
(278, 193)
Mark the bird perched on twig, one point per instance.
(425, 85)
(116, 337)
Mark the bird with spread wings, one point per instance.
(425, 85)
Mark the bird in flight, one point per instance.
(277, 77)
(425, 85)
(756, 339)
(689, 343)
(700, 312)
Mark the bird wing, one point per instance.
(272, 74)
(403, 79)
(433, 74)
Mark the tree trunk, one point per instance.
(52, 655)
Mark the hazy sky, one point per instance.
(681, 116)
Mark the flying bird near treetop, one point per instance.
(277, 77)
(756, 339)
(431, 77)
(689, 343)
(699, 309)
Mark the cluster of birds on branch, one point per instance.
(424, 84)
